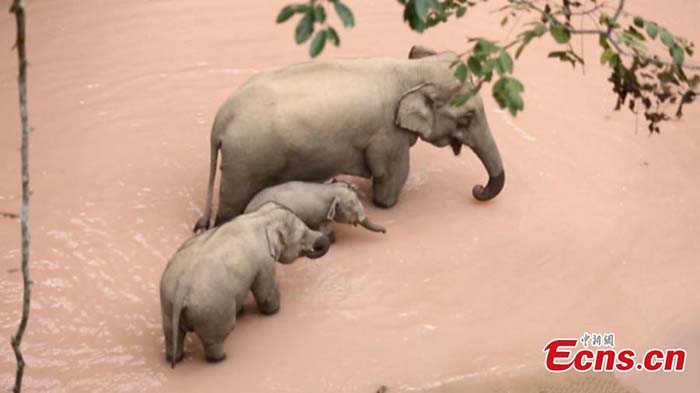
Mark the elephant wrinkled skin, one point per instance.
(208, 279)
(318, 205)
(312, 121)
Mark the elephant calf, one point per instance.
(318, 204)
(207, 281)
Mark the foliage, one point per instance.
(313, 13)
(642, 79)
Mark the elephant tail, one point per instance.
(204, 222)
(178, 308)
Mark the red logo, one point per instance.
(563, 355)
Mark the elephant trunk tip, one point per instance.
(493, 188)
(367, 224)
(319, 248)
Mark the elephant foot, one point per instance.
(214, 352)
(269, 310)
(385, 203)
(201, 225)
(216, 358)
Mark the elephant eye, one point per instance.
(463, 122)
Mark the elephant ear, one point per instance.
(275, 241)
(416, 110)
(332, 209)
(419, 52)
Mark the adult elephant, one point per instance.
(358, 117)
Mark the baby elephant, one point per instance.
(207, 281)
(318, 204)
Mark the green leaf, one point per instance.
(563, 56)
(286, 13)
(344, 13)
(677, 55)
(539, 30)
(635, 33)
(332, 36)
(304, 29)
(652, 29)
(459, 100)
(614, 60)
(506, 91)
(421, 7)
(605, 57)
(639, 21)
(485, 47)
(461, 72)
(689, 50)
(505, 62)
(318, 43)
(461, 11)
(515, 103)
(320, 14)
(474, 65)
(500, 92)
(516, 85)
(561, 34)
(667, 38)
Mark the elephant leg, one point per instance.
(212, 325)
(234, 196)
(214, 350)
(213, 337)
(389, 174)
(266, 292)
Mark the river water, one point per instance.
(596, 231)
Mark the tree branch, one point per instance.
(618, 12)
(18, 9)
(607, 33)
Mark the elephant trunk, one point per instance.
(367, 224)
(320, 247)
(487, 151)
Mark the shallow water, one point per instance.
(596, 229)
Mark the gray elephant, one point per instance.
(358, 117)
(318, 205)
(208, 279)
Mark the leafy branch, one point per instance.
(314, 13)
(642, 79)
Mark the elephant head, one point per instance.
(289, 238)
(346, 208)
(425, 109)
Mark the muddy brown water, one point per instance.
(597, 229)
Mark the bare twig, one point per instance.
(18, 9)
(590, 10)
(583, 55)
(618, 12)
